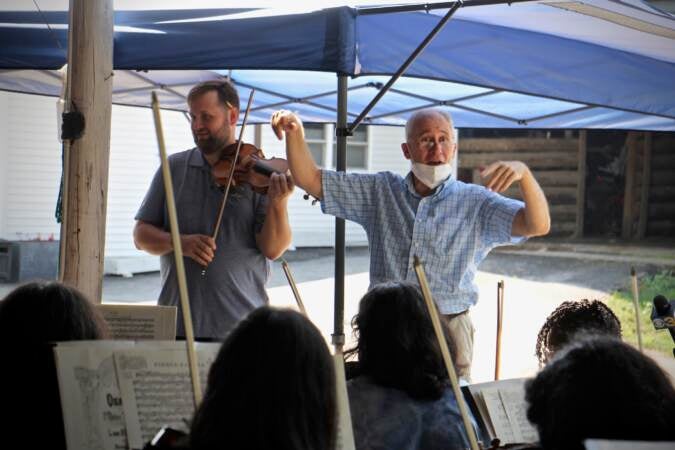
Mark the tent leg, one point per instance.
(341, 135)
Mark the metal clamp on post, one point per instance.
(338, 339)
(344, 132)
(72, 127)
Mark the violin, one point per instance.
(251, 167)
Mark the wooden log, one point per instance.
(660, 176)
(554, 195)
(661, 228)
(664, 161)
(659, 211)
(661, 193)
(644, 186)
(545, 178)
(90, 66)
(550, 160)
(581, 185)
(527, 144)
(562, 227)
(556, 177)
(627, 222)
(663, 143)
(563, 212)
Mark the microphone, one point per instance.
(663, 315)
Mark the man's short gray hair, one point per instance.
(417, 115)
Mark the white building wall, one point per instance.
(4, 166)
(385, 150)
(134, 158)
(31, 159)
(30, 173)
(311, 227)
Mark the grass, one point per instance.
(621, 302)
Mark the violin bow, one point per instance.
(178, 254)
(230, 176)
(294, 288)
(500, 312)
(436, 322)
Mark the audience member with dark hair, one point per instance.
(600, 387)
(272, 386)
(31, 317)
(572, 318)
(402, 398)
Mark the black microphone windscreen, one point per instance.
(661, 305)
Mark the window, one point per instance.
(315, 136)
(357, 150)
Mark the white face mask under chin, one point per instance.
(431, 176)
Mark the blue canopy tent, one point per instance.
(596, 64)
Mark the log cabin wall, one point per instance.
(632, 175)
(652, 198)
(554, 162)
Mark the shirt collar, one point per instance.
(442, 188)
(197, 158)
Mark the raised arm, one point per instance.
(534, 219)
(306, 173)
(275, 236)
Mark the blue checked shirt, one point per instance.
(451, 230)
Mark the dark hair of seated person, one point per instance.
(272, 386)
(33, 316)
(602, 388)
(571, 318)
(43, 311)
(396, 343)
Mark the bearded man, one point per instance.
(253, 231)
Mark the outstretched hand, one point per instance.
(500, 175)
(284, 121)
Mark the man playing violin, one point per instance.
(253, 231)
(450, 225)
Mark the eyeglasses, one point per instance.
(429, 143)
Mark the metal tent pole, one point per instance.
(341, 133)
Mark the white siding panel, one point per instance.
(385, 150)
(311, 227)
(4, 162)
(134, 158)
(33, 167)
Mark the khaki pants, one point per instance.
(462, 330)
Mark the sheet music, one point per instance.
(503, 409)
(90, 397)
(513, 399)
(498, 415)
(156, 389)
(483, 411)
(140, 322)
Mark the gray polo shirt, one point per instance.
(234, 284)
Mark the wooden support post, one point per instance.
(631, 162)
(90, 64)
(646, 182)
(581, 185)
